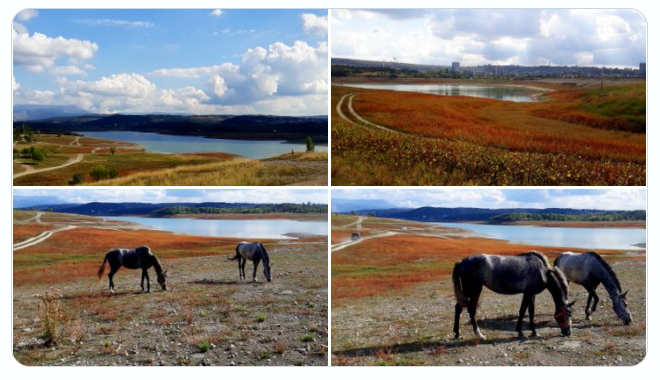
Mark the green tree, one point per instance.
(309, 143)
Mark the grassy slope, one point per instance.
(481, 142)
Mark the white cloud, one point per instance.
(119, 23)
(60, 71)
(14, 85)
(217, 12)
(123, 85)
(313, 24)
(39, 51)
(27, 14)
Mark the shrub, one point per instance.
(52, 316)
(261, 318)
(204, 346)
(77, 179)
(100, 172)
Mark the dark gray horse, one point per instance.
(252, 251)
(527, 273)
(138, 258)
(590, 270)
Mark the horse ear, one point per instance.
(270, 265)
(570, 304)
(624, 294)
(165, 271)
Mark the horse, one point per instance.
(526, 273)
(252, 251)
(590, 270)
(138, 258)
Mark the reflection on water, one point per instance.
(161, 143)
(238, 228)
(510, 93)
(587, 238)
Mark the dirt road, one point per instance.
(30, 170)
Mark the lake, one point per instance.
(509, 93)
(238, 228)
(162, 143)
(586, 238)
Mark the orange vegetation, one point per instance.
(400, 261)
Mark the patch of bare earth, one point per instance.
(206, 317)
(414, 327)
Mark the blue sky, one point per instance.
(194, 61)
(624, 198)
(584, 37)
(260, 195)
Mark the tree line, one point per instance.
(615, 216)
(283, 208)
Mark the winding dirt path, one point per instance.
(355, 114)
(39, 238)
(71, 161)
(340, 246)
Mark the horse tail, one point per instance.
(102, 268)
(458, 286)
(235, 256)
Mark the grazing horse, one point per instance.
(527, 273)
(251, 251)
(590, 270)
(138, 258)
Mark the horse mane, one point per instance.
(608, 268)
(264, 250)
(539, 255)
(563, 282)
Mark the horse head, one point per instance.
(162, 279)
(267, 271)
(620, 307)
(563, 318)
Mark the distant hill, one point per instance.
(162, 209)
(216, 126)
(24, 112)
(495, 216)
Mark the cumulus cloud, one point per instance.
(14, 85)
(217, 12)
(278, 70)
(39, 51)
(613, 37)
(27, 14)
(313, 24)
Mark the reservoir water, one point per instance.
(585, 238)
(162, 143)
(509, 93)
(238, 228)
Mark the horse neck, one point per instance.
(156, 265)
(610, 284)
(554, 287)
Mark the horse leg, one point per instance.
(531, 316)
(145, 274)
(472, 310)
(242, 267)
(596, 299)
(521, 314)
(254, 273)
(587, 313)
(113, 270)
(457, 318)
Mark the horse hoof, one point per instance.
(534, 335)
(457, 336)
(588, 317)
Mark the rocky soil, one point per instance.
(414, 327)
(206, 317)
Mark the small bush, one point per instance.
(77, 179)
(261, 318)
(100, 172)
(204, 346)
(309, 143)
(53, 317)
(308, 338)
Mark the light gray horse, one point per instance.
(527, 273)
(590, 270)
(252, 251)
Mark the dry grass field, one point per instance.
(393, 304)
(573, 136)
(206, 317)
(136, 167)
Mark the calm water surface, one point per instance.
(238, 228)
(510, 93)
(157, 142)
(586, 238)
